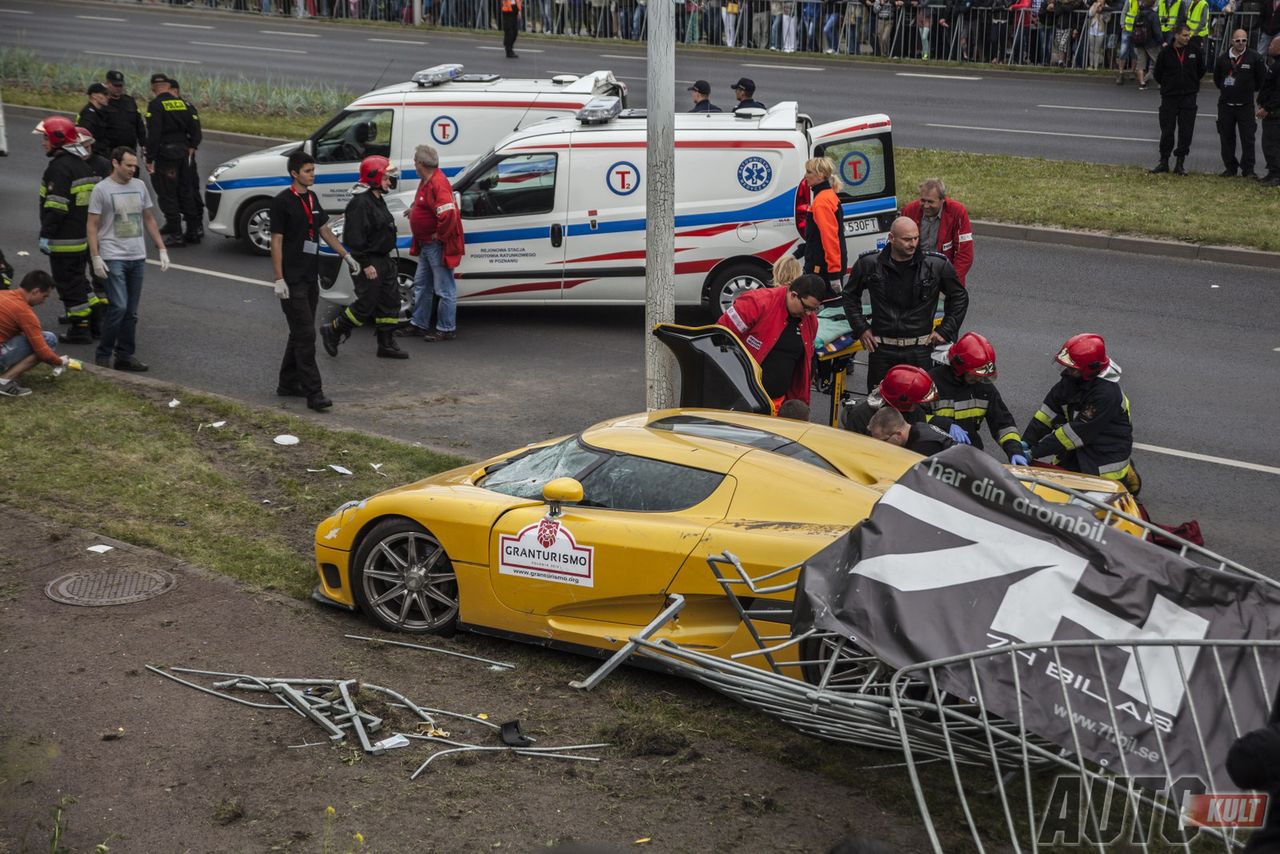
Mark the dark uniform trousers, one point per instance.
(1271, 144)
(68, 271)
(510, 24)
(1177, 112)
(376, 299)
(175, 182)
(298, 368)
(885, 356)
(1233, 117)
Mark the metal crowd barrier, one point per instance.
(973, 31)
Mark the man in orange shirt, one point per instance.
(22, 342)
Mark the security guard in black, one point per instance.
(1238, 74)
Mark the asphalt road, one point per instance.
(1199, 366)
(976, 110)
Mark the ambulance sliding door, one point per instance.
(513, 215)
(862, 150)
(604, 252)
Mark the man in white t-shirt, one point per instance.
(120, 211)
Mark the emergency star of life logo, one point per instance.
(754, 174)
(444, 130)
(547, 551)
(623, 178)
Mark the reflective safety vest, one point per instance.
(1198, 18)
(511, 5)
(1171, 15)
(1130, 15)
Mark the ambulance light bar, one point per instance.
(437, 74)
(599, 111)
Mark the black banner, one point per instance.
(959, 557)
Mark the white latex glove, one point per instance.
(282, 290)
(99, 266)
(164, 261)
(352, 264)
(66, 360)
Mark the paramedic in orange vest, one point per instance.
(824, 251)
(944, 225)
(510, 21)
(778, 326)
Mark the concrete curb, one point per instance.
(1134, 245)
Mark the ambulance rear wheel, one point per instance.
(729, 281)
(255, 225)
(404, 279)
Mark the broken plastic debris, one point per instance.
(286, 439)
(175, 403)
(266, 501)
(100, 549)
(340, 469)
(396, 740)
(22, 253)
(314, 471)
(375, 466)
(218, 424)
(644, 840)
(482, 716)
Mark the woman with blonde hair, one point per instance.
(785, 271)
(824, 250)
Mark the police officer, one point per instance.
(64, 212)
(903, 282)
(1238, 74)
(510, 26)
(194, 231)
(745, 91)
(1269, 112)
(967, 396)
(124, 124)
(1178, 70)
(701, 94)
(1083, 424)
(905, 387)
(369, 231)
(173, 134)
(93, 119)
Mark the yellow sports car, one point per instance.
(577, 542)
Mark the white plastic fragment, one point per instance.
(286, 439)
(375, 466)
(218, 424)
(22, 253)
(100, 549)
(314, 471)
(394, 741)
(175, 403)
(340, 469)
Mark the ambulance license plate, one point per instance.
(865, 225)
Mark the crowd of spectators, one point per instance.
(1064, 33)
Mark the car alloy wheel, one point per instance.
(406, 580)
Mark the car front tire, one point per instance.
(403, 579)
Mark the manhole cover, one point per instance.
(109, 586)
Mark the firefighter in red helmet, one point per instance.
(905, 387)
(1083, 424)
(369, 232)
(967, 396)
(64, 214)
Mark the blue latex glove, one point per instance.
(1019, 460)
(959, 435)
(44, 245)
(1026, 450)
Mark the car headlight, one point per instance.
(219, 171)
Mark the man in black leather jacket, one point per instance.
(903, 282)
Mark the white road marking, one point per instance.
(140, 56)
(288, 33)
(396, 41)
(248, 47)
(217, 275)
(522, 50)
(935, 76)
(188, 26)
(622, 56)
(1201, 116)
(99, 18)
(1044, 133)
(784, 67)
(1206, 458)
(16, 12)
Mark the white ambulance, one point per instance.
(461, 115)
(556, 212)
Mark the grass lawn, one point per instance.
(227, 498)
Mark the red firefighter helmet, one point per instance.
(373, 168)
(84, 136)
(1087, 353)
(906, 386)
(973, 354)
(58, 130)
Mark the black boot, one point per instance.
(334, 333)
(387, 346)
(193, 237)
(77, 332)
(1178, 168)
(1161, 167)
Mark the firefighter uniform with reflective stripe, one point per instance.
(369, 232)
(1084, 426)
(969, 404)
(64, 213)
(173, 130)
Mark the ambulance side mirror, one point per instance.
(562, 490)
(308, 147)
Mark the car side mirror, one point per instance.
(562, 490)
(308, 147)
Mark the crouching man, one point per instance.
(22, 343)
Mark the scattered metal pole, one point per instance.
(659, 198)
(299, 702)
(624, 651)
(160, 672)
(356, 721)
(433, 649)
